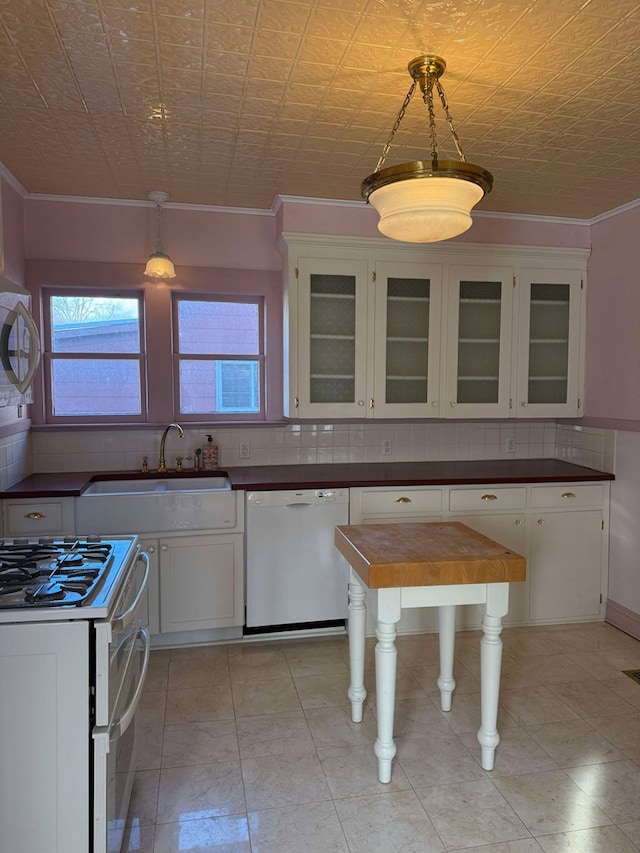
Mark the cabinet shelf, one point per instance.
(408, 340)
(555, 341)
(478, 378)
(316, 337)
(422, 299)
(350, 296)
(557, 302)
(349, 376)
(479, 340)
(406, 378)
(547, 379)
(467, 301)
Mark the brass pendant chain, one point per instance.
(445, 107)
(394, 129)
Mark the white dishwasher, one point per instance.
(296, 577)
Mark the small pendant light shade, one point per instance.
(159, 264)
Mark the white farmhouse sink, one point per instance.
(156, 485)
(158, 504)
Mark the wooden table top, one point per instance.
(426, 554)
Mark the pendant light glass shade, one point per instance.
(426, 201)
(159, 264)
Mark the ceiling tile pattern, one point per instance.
(231, 102)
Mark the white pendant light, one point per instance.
(159, 264)
(426, 201)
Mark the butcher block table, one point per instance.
(439, 564)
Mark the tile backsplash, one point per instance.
(115, 450)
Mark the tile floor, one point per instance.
(249, 747)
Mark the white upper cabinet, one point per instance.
(328, 358)
(551, 343)
(407, 340)
(375, 329)
(477, 364)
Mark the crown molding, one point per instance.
(630, 205)
(11, 179)
(131, 202)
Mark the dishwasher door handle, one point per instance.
(299, 505)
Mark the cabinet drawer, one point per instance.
(401, 502)
(567, 496)
(487, 498)
(34, 519)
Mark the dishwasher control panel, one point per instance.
(291, 497)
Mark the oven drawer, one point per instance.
(36, 518)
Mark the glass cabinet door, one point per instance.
(549, 349)
(407, 340)
(332, 338)
(479, 318)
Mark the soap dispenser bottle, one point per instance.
(210, 455)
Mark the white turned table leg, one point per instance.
(447, 638)
(357, 618)
(490, 665)
(386, 665)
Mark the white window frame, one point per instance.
(258, 358)
(50, 357)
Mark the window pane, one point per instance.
(91, 387)
(218, 328)
(94, 324)
(218, 386)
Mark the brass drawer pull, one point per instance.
(489, 498)
(403, 500)
(35, 515)
(568, 495)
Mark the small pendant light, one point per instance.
(159, 264)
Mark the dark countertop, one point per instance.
(340, 475)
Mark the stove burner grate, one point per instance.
(50, 572)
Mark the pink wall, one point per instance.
(12, 232)
(264, 283)
(613, 319)
(361, 221)
(125, 233)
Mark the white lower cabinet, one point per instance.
(566, 566)
(509, 530)
(562, 530)
(201, 582)
(568, 551)
(150, 609)
(39, 517)
(196, 579)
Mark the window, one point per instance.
(152, 355)
(93, 356)
(219, 352)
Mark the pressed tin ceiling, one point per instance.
(231, 102)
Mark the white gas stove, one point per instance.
(73, 657)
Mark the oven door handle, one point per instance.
(118, 622)
(119, 726)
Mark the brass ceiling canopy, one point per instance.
(425, 201)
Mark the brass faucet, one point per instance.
(162, 468)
